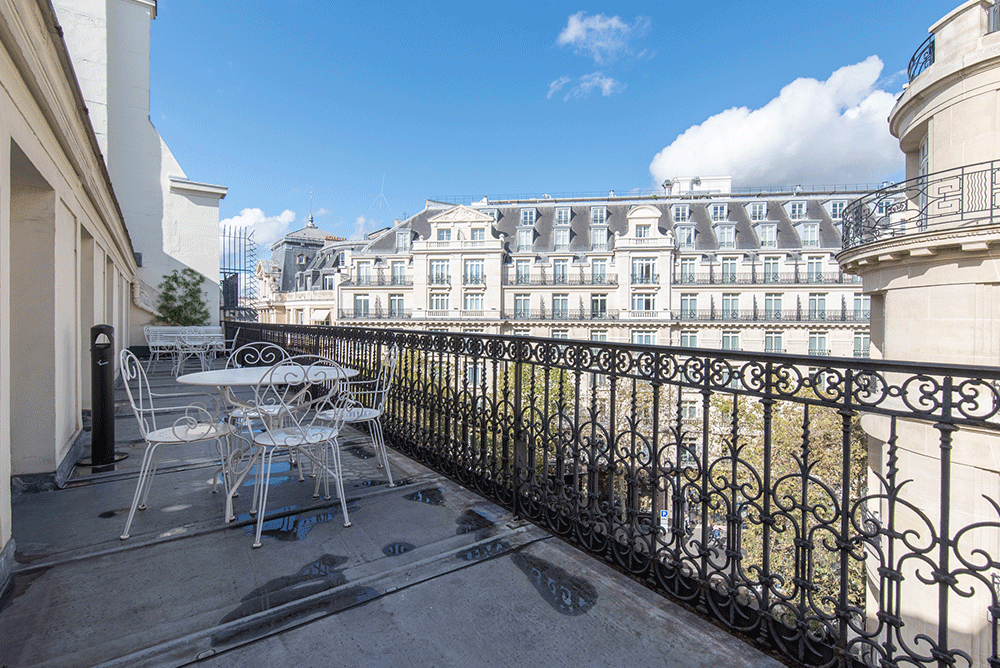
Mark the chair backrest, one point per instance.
(137, 388)
(385, 375)
(302, 387)
(257, 353)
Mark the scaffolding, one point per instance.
(238, 260)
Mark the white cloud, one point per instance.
(266, 229)
(556, 85)
(363, 226)
(601, 37)
(813, 132)
(594, 81)
(322, 212)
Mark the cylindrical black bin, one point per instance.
(102, 394)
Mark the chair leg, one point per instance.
(140, 488)
(335, 447)
(379, 442)
(265, 470)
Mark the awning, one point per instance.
(320, 314)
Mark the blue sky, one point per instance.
(278, 99)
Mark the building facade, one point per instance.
(700, 267)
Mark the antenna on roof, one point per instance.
(380, 199)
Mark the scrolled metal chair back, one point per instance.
(385, 376)
(137, 387)
(301, 387)
(255, 354)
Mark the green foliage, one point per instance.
(182, 301)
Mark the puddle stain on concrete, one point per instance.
(107, 514)
(434, 497)
(470, 521)
(19, 584)
(371, 483)
(396, 549)
(566, 593)
(360, 452)
(480, 552)
(314, 578)
(294, 527)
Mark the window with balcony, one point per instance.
(440, 272)
(396, 308)
(522, 306)
(773, 342)
(730, 340)
(642, 231)
(527, 217)
(364, 273)
(862, 307)
(560, 271)
(477, 234)
(562, 215)
(728, 269)
(862, 344)
(643, 271)
(768, 235)
(797, 210)
(817, 343)
(361, 306)
(730, 306)
(560, 306)
(560, 238)
(524, 239)
(689, 339)
(645, 338)
(837, 210)
(599, 271)
(473, 301)
(810, 235)
(398, 272)
(726, 235)
(439, 301)
(598, 306)
(475, 272)
(643, 301)
(685, 236)
(814, 269)
(687, 270)
(718, 212)
(522, 272)
(404, 239)
(444, 235)
(689, 306)
(771, 266)
(758, 211)
(817, 306)
(598, 215)
(772, 306)
(679, 212)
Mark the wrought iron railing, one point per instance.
(740, 484)
(560, 279)
(764, 314)
(378, 280)
(922, 59)
(764, 278)
(959, 198)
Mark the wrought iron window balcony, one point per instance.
(559, 314)
(772, 315)
(558, 432)
(439, 279)
(373, 313)
(376, 281)
(568, 279)
(475, 279)
(764, 278)
(645, 279)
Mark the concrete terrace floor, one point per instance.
(430, 574)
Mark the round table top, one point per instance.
(255, 374)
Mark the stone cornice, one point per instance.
(207, 189)
(898, 249)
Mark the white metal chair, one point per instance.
(287, 404)
(195, 424)
(160, 345)
(369, 405)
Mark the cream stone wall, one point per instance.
(65, 255)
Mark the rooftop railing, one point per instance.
(960, 198)
(922, 59)
(736, 483)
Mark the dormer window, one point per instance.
(758, 211)
(642, 231)
(810, 235)
(524, 239)
(492, 213)
(679, 212)
(797, 210)
(768, 235)
(562, 215)
(598, 215)
(719, 212)
(837, 210)
(528, 217)
(561, 238)
(444, 235)
(685, 236)
(403, 241)
(478, 234)
(727, 236)
(300, 258)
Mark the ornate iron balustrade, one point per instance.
(568, 279)
(638, 454)
(559, 314)
(922, 59)
(804, 277)
(378, 281)
(961, 198)
(376, 313)
(774, 315)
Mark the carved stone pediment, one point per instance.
(461, 214)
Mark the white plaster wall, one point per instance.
(85, 29)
